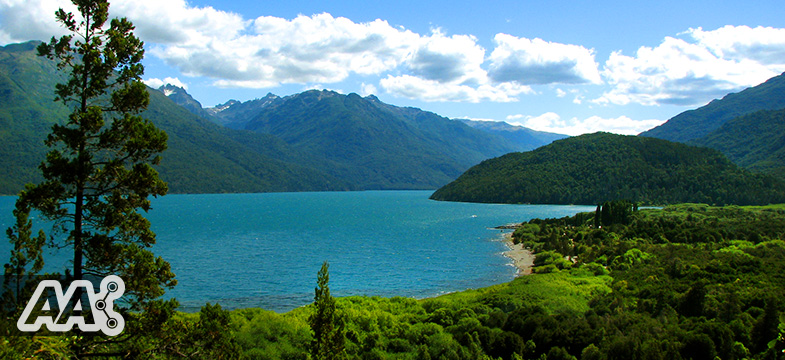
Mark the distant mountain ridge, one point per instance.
(202, 156)
(313, 141)
(593, 168)
(377, 145)
(234, 114)
(237, 115)
(524, 137)
(694, 124)
(385, 146)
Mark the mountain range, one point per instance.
(312, 141)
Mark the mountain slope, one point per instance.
(700, 122)
(525, 138)
(754, 141)
(236, 115)
(376, 145)
(181, 97)
(593, 168)
(202, 156)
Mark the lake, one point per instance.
(264, 250)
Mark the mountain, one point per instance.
(181, 97)
(526, 139)
(694, 124)
(373, 144)
(754, 141)
(202, 156)
(593, 168)
(234, 114)
(313, 141)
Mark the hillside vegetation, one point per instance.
(755, 141)
(590, 168)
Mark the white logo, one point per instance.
(103, 314)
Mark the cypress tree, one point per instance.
(328, 331)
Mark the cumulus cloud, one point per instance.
(764, 45)
(552, 122)
(367, 89)
(536, 61)
(693, 71)
(24, 20)
(448, 59)
(156, 83)
(270, 51)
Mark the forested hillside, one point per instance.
(754, 141)
(590, 168)
(202, 156)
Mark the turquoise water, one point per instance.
(264, 250)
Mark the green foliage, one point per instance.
(643, 290)
(590, 169)
(327, 326)
(753, 141)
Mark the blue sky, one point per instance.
(563, 66)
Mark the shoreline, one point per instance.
(522, 258)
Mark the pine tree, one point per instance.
(98, 173)
(328, 332)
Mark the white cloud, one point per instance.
(24, 20)
(693, 72)
(270, 51)
(156, 83)
(552, 122)
(764, 45)
(453, 59)
(430, 90)
(536, 61)
(368, 89)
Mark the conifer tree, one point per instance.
(328, 332)
(98, 173)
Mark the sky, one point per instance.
(569, 67)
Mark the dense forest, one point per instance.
(755, 141)
(684, 282)
(588, 169)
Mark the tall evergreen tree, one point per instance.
(328, 332)
(98, 173)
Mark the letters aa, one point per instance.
(106, 319)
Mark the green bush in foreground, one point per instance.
(684, 282)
